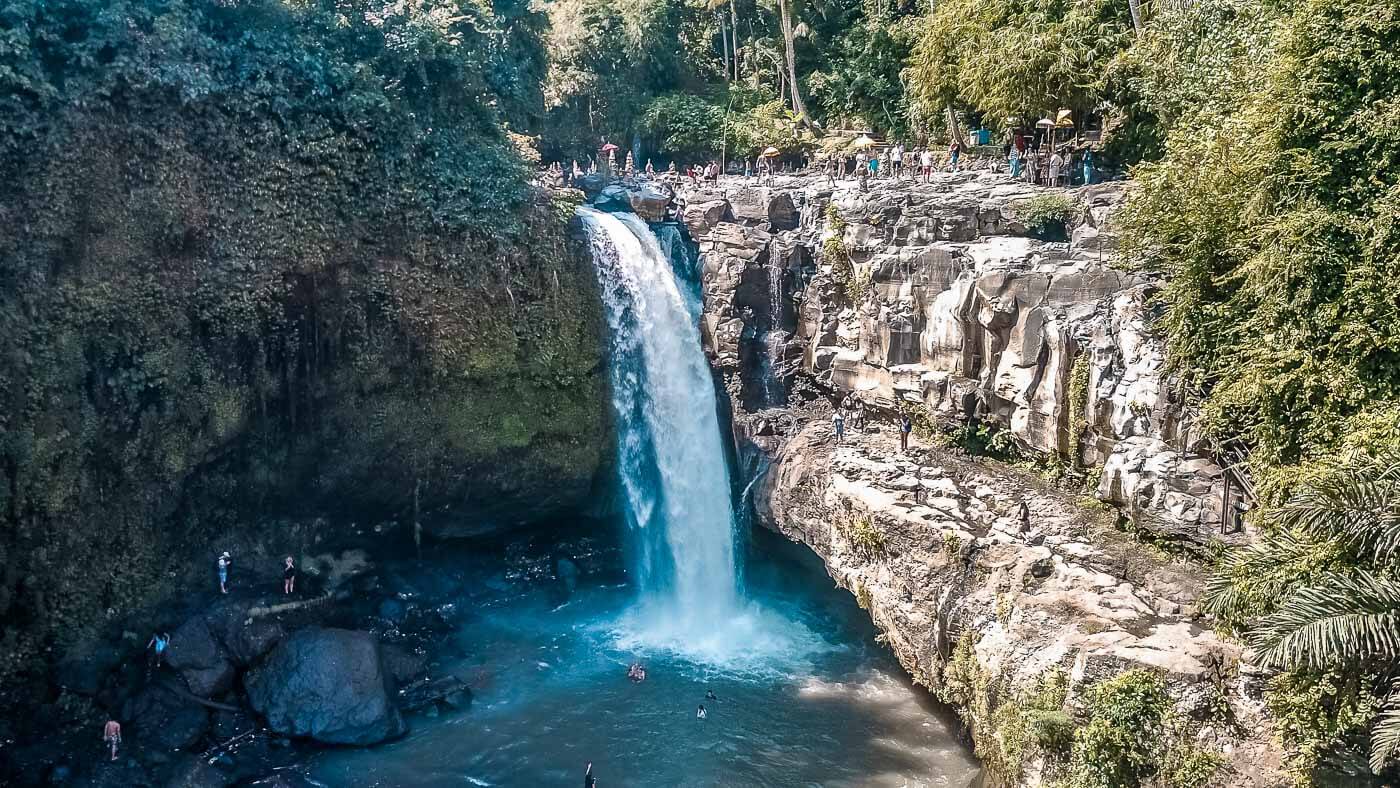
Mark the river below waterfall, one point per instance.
(833, 709)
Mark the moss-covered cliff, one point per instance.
(262, 261)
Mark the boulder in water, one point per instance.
(650, 201)
(329, 685)
(194, 772)
(613, 199)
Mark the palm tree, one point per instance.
(1339, 533)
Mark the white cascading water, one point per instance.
(671, 461)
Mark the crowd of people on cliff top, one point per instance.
(1028, 157)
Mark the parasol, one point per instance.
(608, 147)
(863, 141)
(770, 152)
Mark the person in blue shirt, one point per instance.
(157, 646)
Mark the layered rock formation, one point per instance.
(937, 296)
(953, 303)
(937, 550)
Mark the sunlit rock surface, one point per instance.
(958, 308)
(952, 305)
(1062, 589)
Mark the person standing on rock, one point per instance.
(159, 641)
(589, 781)
(954, 150)
(1023, 514)
(289, 576)
(926, 163)
(838, 424)
(905, 427)
(112, 736)
(225, 561)
(651, 170)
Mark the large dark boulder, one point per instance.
(328, 684)
(614, 199)
(200, 658)
(163, 721)
(245, 639)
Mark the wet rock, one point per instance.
(613, 198)
(403, 665)
(245, 638)
(327, 684)
(194, 772)
(200, 658)
(121, 773)
(650, 201)
(163, 721)
(448, 691)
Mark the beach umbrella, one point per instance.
(770, 151)
(608, 147)
(1065, 119)
(1045, 123)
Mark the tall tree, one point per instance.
(785, 14)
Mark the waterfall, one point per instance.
(775, 340)
(671, 462)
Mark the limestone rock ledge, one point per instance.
(951, 303)
(953, 560)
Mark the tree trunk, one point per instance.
(797, 105)
(1135, 8)
(953, 131)
(734, 32)
(724, 44)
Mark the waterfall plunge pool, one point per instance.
(831, 707)
(804, 695)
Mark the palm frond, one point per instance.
(1339, 621)
(1385, 732)
(1358, 506)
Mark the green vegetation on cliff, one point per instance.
(265, 258)
(1272, 216)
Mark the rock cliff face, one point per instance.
(937, 296)
(938, 300)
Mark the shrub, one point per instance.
(864, 537)
(1048, 215)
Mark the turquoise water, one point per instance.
(829, 706)
(804, 694)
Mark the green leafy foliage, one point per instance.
(864, 536)
(1134, 737)
(237, 233)
(1013, 60)
(1319, 713)
(1323, 604)
(1048, 215)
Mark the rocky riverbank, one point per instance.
(255, 681)
(991, 313)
